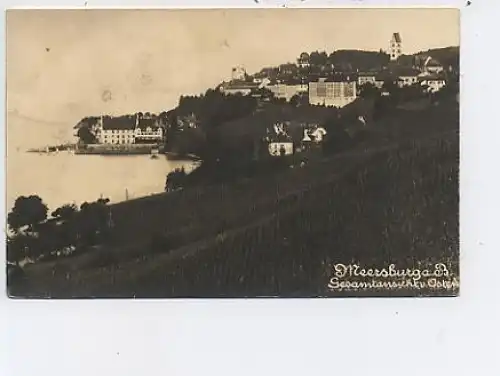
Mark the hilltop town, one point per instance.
(315, 80)
(337, 79)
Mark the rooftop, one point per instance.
(432, 77)
(118, 123)
(337, 78)
(239, 84)
(433, 63)
(396, 37)
(383, 76)
(145, 123)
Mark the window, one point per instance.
(321, 90)
(348, 90)
(337, 89)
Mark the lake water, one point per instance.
(64, 177)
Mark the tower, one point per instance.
(395, 47)
(238, 73)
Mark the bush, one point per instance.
(159, 243)
(175, 179)
(102, 258)
(14, 273)
(337, 140)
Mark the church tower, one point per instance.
(395, 47)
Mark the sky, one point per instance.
(63, 65)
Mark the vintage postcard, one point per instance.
(232, 153)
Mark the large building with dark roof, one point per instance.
(239, 87)
(148, 131)
(128, 130)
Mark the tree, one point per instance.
(86, 136)
(299, 100)
(175, 179)
(27, 211)
(381, 107)
(295, 100)
(65, 212)
(389, 86)
(15, 249)
(22, 246)
(412, 92)
(103, 201)
(337, 139)
(368, 90)
(93, 221)
(264, 93)
(318, 58)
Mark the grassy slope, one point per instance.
(389, 196)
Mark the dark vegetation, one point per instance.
(352, 60)
(34, 237)
(192, 123)
(390, 196)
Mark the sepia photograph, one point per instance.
(232, 153)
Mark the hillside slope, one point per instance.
(394, 197)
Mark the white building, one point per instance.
(303, 60)
(238, 73)
(128, 130)
(427, 64)
(315, 134)
(395, 46)
(243, 87)
(239, 87)
(336, 92)
(280, 148)
(407, 77)
(287, 91)
(433, 67)
(148, 131)
(366, 78)
(318, 134)
(119, 130)
(433, 82)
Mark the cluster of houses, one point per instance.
(337, 88)
(281, 142)
(330, 87)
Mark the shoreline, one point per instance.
(103, 150)
(53, 149)
(179, 156)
